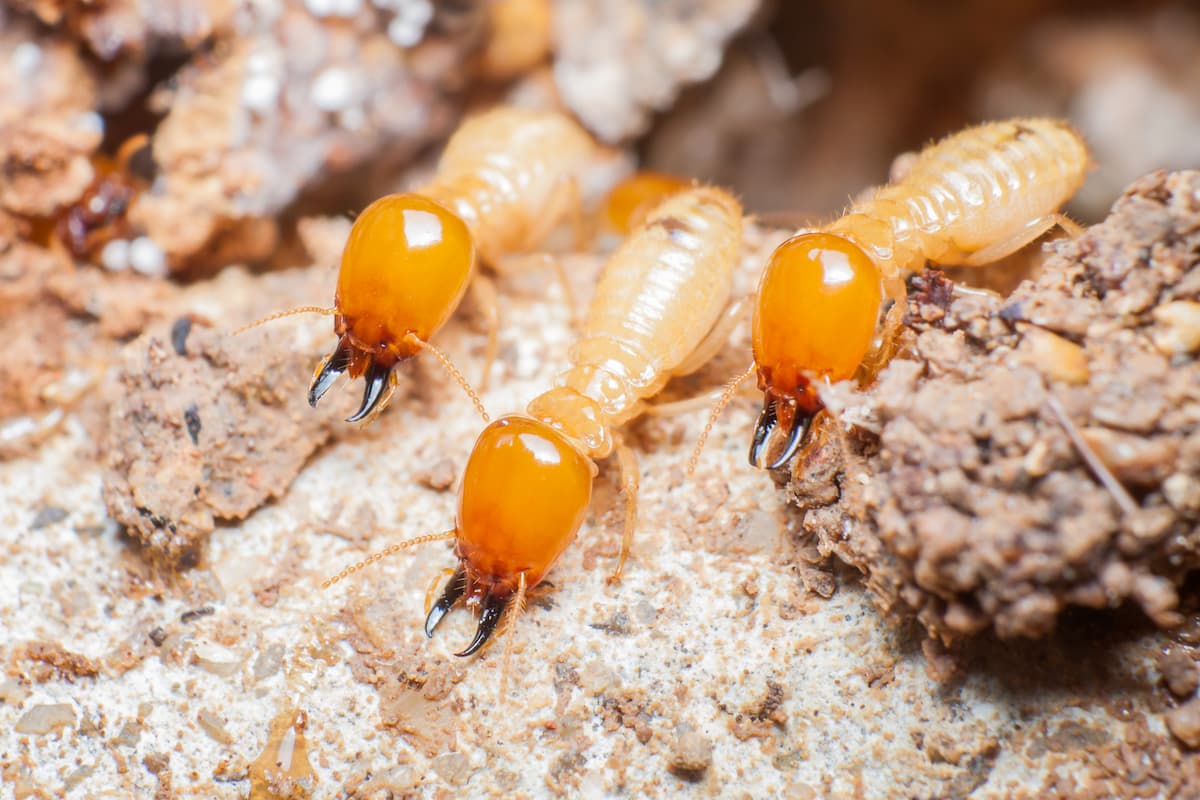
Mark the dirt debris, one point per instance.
(48, 126)
(691, 755)
(1179, 672)
(205, 436)
(46, 661)
(967, 500)
(615, 76)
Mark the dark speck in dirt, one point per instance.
(47, 515)
(196, 613)
(179, 335)
(191, 418)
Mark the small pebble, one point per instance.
(26, 58)
(214, 726)
(47, 515)
(146, 257)
(114, 256)
(45, 718)
(452, 767)
(1184, 722)
(320, 8)
(269, 661)
(408, 26)
(333, 89)
(1179, 330)
(1179, 673)
(691, 756)
(260, 91)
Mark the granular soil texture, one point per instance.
(1036, 451)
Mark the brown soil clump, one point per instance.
(202, 431)
(1038, 451)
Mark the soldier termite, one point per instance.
(506, 179)
(968, 200)
(660, 305)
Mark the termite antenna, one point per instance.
(130, 148)
(448, 365)
(515, 609)
(722, 401)
(387, 551)
(281, 314)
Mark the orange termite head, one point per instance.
(404, 270)
(524, 495)
(814, 319)
(637, 195)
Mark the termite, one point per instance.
(99, 216)
(506, 179)
(637, 195)
(661, 303)
(969, 200)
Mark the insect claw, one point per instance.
(334, 365)
(450, 595)
(377, 379)
(767, 420)
(489, 618)
(796, 436)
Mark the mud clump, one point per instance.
(1037, 451)
(203, 430)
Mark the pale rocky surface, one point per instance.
(729, 663)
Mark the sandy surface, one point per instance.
(727, 664)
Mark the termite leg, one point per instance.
(483, 294)
(379, 384)
(327, 372)
(489, 617)
(717, 336)
(450, 595)
(566, 202)
(889, 344)
(1011, 244)
(686, 405)
(518, 263)
(568, 292)
(628, 465)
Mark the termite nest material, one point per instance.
(1037, 451)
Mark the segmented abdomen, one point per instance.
(659, 295)
(501, 170)
(972, 189)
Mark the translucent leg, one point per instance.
(716, 338)
(483, 295)
(628, 464)
(1035, 228)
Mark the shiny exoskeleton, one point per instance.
(506, 179)
(968, 200)
(528, 481)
